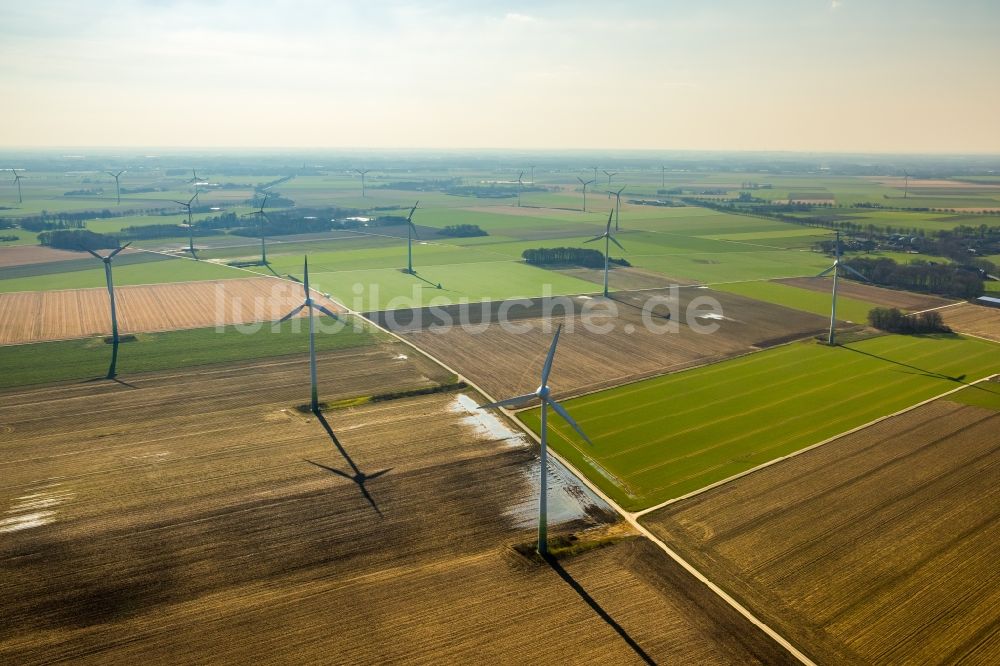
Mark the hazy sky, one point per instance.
(847, 75)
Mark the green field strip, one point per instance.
(661, 438)
(816, 302)
(88, 358)
(983, 394)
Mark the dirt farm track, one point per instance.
(877, 548)
(191, 516)
(35, 316)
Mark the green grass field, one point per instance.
(817, 302)
(662, 438)
(84, 359)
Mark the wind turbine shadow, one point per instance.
(611, 297)
(960, 379)
(436, 285)
(356, 476)
(603, 614)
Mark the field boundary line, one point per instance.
(940, 307)
(693, 493)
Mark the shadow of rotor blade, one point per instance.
(603, 614)
(331, 470)
(358, 479)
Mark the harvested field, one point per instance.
(974, 320)
(890, 298)
(877, 548)
(20, 255)
(197, 517)
(507, 362)
(34, 316)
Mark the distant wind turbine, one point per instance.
(609, 174)
(263, 218)
(195, 178)
(118, 189)
(113, 370)
(618, 202)
(187, 205)
(663, 177)
(584, 183)
(836, 271)
(595, 174)
(520, 185)
(608, 239)
(906, 184)
(312, 305)
(362, 173)
(411, 231)
(17, 181)
(543, 393)
(532, 167)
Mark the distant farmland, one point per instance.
(664, 437)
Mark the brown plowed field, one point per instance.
(890, 298)
(21, 255)
(877, 548)
(187, 517)
(33, 316)
(505, 362)
(974, 319)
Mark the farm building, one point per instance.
(988, 301)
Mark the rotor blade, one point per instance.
(510, 402)
(94, 253)
(293, 278)
(619, 192)
(827, 270)
(414, 228)
(180, 203)
(611, 213)
(851, 270)
(594, 238)
(615, 241)
(547, 368)
(331, 315)
(410, 216)
(561, 411)
(292, 313)
(305, 283)
(580, 179)
(119, 249)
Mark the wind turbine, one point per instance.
(411, 231)
(118, 189)
(187, 204)
(532, 167)
(584, 183)
(195, 178)
(595, 174)
(362, 172)
(263, 218)
(663, 177)
(609, 174)
(608, 239)
(17, 181)
(906, 184)
(543, 393)
(112, 371)
(618, 203)
(520, 184)
(312, 305)
(836, 271)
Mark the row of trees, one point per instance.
(568, 256)
(75, 239)
(946, 279)
(894, 321)
(463, 230)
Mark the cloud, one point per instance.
(519, 18)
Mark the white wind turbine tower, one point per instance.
(584, 183)
(187, 205)
(608, 239)
(618, 203)
(906, 184)
(118, 189)
(312, 305)
(112, 371)
(362, 173)
(263, 218)
(836, 271)
(411, 231)
(543, 393)
(17, 181)
(520, 184)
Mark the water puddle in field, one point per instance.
(485, 423)
(400, 357)
(26, 511)
(569, 499)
